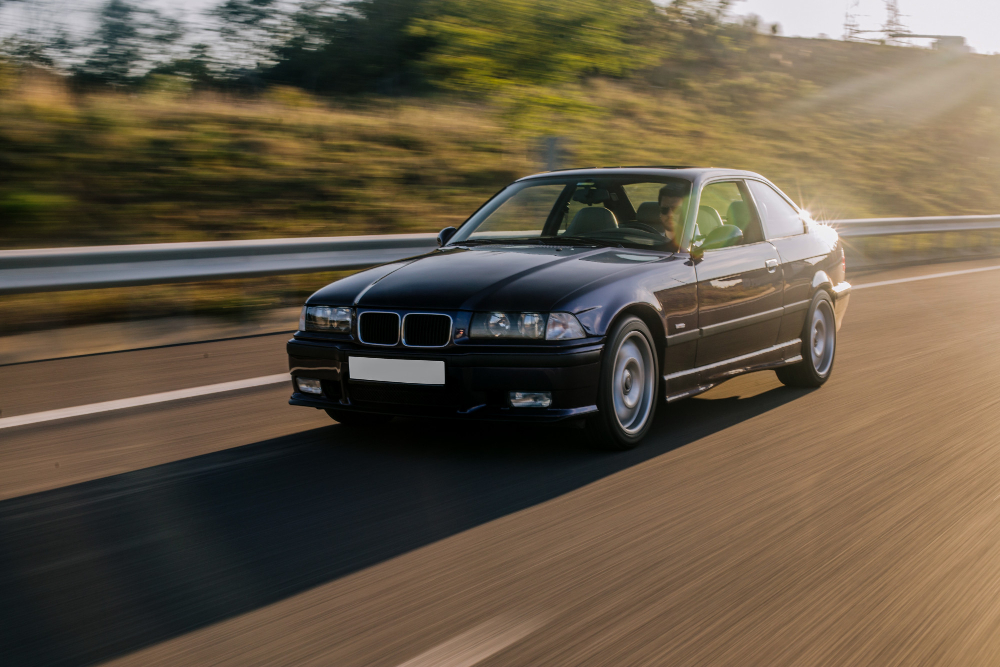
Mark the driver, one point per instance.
(670, 199)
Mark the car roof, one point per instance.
(689, 173)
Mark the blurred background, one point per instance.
(147, 121)
(163, 504)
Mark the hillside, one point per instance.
(853, 130)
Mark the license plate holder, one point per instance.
(397, 371)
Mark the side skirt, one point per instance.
(747, 363)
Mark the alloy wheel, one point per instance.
(822, 338)
(632, 383)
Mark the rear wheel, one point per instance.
(819, 346)
(629, 386)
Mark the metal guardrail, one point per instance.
(899, 226)
(63, 269)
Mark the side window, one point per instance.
(780, 218)
(727, 204)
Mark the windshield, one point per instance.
(627, 211)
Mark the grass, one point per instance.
(849, 130)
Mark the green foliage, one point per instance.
(392, 46)
(407, 46)
(853, 127)
(851, 130)
(241, 15)
(196, 69)
(25, 51)
(127, 37)
(481, 48)
(168, 165)
(33, 214)
(250, 29)
(351, 47)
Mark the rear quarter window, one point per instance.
(780, 217)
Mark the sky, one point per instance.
(976, 20)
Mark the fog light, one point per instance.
(530, 399)
(309, 386)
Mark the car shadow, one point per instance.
(101, 569)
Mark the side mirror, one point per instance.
(722, 236)
(445, 235)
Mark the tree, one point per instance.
(250, 30)
(352, 47)
(25, 51)
(42, 41)
(128, 39)
(195, 67)
(480, 48)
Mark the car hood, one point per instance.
(494, 277)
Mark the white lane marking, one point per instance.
(37, 417)
(63, 413)
(927, 277)
(474, 645)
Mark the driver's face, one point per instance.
(668, 207)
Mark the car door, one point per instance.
(799, 253)
(739, 287)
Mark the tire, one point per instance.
(819, 346)
(629, 387)
(358, 419)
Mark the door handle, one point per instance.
(772, 265)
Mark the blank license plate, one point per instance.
(404, 371)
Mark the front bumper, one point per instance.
(477, 383)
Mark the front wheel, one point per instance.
(819, 345)
(629, 386)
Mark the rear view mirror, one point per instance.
(445, 235)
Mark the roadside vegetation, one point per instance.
(166, 163)
(395, 116)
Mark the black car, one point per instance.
(592, 294)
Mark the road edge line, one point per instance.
(149, 399)
(931, 276)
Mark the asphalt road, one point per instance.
(855, 524)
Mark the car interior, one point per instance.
(623, 211)
(731, 197)
(605, 208)
(597, 209)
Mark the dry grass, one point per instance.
(891, 132)
(849, 130)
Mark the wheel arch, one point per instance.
(652, 319)
(822, 281)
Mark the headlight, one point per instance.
(564, 326)
(325, 318)
(532, 326)
(507, 325)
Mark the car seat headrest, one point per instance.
(738, 214)
(590, 220)
(708, 220)
(648, 213)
